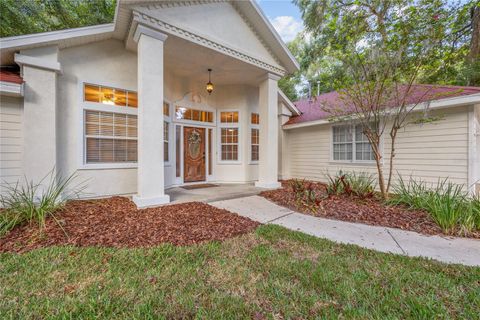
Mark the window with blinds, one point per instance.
(110, 137)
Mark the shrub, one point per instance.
(33, 203)
(360, 184)
(449, 204)
(305, 194)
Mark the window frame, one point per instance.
(167, 120)
(227, 125)
(251, 127)
(354, 144)
(98, 106)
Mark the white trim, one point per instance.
(17, 42)
(23, 60)
(250, 145)
(354, 160)
(144, 30)
(150, 202)
(473, 162)
(87, 105)
(276, 36)
(437, 104)
(283, 97)
(205, 41)
(234, 125)
(11, 89)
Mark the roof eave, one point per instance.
(436, 104)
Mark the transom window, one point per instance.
(350, 144)
(229, 117)
(255, 118)
(110, 137)
(110, 96)
(182, 113)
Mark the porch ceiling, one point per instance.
(191, 61)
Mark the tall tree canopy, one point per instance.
(31, 16)
(336, 28)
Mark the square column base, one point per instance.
(151, 202)
(268, 185)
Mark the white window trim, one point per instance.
(253, 126)
(168, 121)
(354, 154)
(94, 106)
(236, 125)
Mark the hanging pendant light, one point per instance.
(209, 84)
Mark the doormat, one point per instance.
(199, 186)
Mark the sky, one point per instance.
(284, 16)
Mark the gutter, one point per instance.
(11, 89)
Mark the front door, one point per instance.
(194, 154)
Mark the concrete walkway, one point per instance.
(449, 250)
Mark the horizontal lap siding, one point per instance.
(424, 151)
(11, 140)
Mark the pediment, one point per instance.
(218, 21)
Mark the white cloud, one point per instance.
(287, 26)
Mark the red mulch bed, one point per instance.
(354, 209)
(116, 222)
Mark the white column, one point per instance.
(268, 160)
(150, 184)
(39, 119)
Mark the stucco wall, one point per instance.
(424, 151)
(108, 63)
(210, 20)
(11, 140)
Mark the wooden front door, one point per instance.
(194, 154)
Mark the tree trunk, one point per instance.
(393, 136)
(474, 53)
(381, 179)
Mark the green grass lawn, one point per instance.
(272, 273)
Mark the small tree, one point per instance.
(381, 99)
(384, 46)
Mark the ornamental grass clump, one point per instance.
(30, 202)
(449, 204)
(361, 184)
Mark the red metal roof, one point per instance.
(317, 108)
(10, 76)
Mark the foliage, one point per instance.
(338, 27)
(241, 278)
(360, 184)
(449, 204)
(32, 16)
(31, 202)
(305, 194)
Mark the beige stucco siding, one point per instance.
(11, 140)
(424, 151)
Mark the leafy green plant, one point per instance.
(305, 194)
(449, 204)
(31, 202)
(360, 184)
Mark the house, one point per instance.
(185, 92)
(125, 105)
(447, 147)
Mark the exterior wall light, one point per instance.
(209, 84)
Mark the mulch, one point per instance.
(116, 222)
(354, 209)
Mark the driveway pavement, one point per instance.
(444, 249)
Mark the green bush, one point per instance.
(33, 203)
(449, 204)
(360, 184)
